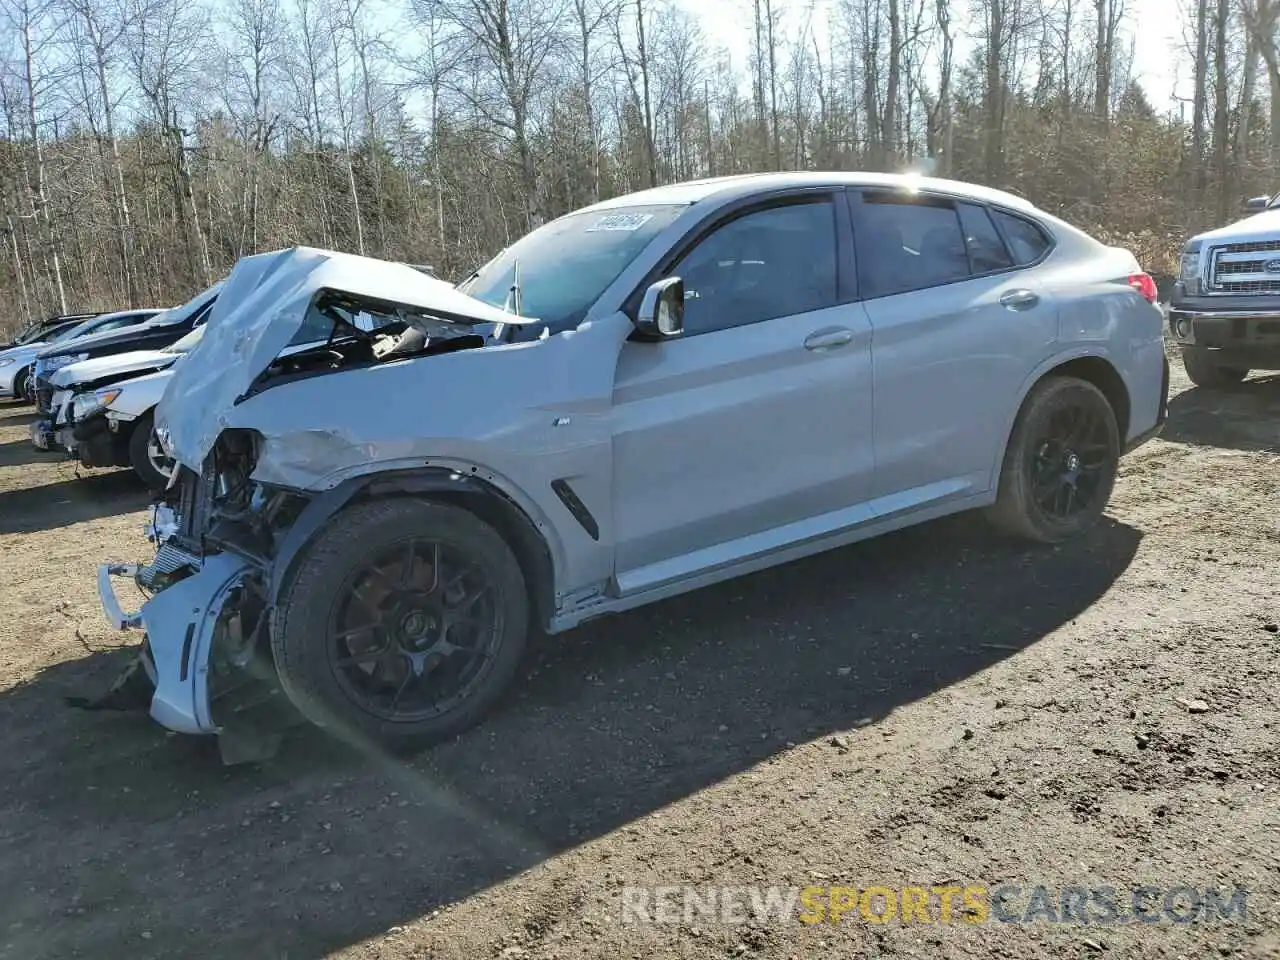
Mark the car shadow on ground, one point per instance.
(17, 414)
(1243, 417)
(323, 847)
(75, 500)
(20, 453)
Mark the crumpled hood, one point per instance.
(263, 304)
(87, 371)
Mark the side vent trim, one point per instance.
(576, 507)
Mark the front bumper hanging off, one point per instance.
(179, 622)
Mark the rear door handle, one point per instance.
(828, 338)
(1019, 300)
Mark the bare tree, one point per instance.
(33, 24)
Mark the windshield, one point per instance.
(200, 301)
(76, 330)
(565, 265)
(187, 341)
(31, 334)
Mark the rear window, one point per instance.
(1027, 240)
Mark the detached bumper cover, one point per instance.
(179, 622)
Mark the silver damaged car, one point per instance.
(646, 396)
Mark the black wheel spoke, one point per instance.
(435, 567)
(1068, 464)
(364, 656)
(354, 631)
(469, 599)
(380, 575)
(400, 691)
(430, 630)
(407, 564)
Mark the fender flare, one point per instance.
(1042, 370)
(530, 547)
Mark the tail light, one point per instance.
(1143, 283)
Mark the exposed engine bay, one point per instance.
(362, 333)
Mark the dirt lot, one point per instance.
(933, 707)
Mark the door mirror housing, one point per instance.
(661, 314)
(1256, 204)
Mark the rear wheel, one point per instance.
(1060, 464)
(404, 624)
(146, 456)
(1204, 370)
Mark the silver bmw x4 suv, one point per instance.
(643, 397)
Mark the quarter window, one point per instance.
(1026, 239)
(908, 243)
(770, 263)
(986, 250)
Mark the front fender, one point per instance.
(536, 540)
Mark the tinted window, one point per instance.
(986, 249)
(1027, 240)
(771, 263)
(118, 322)
(908, 244)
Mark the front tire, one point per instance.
(1061, 462)
(20, 384)
(404, 623)
(1204, 370)
(145, 455)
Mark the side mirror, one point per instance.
(1256, 204)
(661, 315)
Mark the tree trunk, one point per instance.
(889, 135)
(1221, 114)
(650, 151)
(1200, 107)
(995, 90)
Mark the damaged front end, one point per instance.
(224, 532)
(206, 650)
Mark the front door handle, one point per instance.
(828, 338)
(1019, 300)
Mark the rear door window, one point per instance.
(907, 242)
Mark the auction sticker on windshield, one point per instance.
(621, 221)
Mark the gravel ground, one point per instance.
(932, 708)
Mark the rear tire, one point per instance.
(1061, 462)
(352, 640)
(1204, 370)
(151, 466)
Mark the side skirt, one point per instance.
(843, 536)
